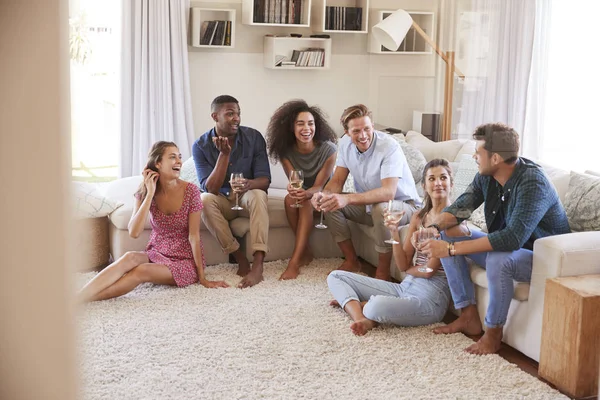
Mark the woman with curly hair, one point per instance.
(301, 139)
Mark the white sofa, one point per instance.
(564, 255)
(576, 253)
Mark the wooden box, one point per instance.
(570, 349)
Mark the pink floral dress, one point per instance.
(169, 244)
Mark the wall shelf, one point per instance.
(413, 43)
(325, 18)
(280, 13)
(283, 47)
(201, 18)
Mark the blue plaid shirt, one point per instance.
(525, 209)
(248, 156)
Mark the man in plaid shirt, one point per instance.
(521, 205)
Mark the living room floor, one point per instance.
(508, 353)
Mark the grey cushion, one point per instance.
(581, 203)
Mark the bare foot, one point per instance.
(243, 267)
(383, 275)
(252, 278)
(291, 272)
(490, 342)
(307, 258)
(468, 323)
(350, 266)
(361, 327)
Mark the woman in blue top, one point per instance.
(301, 139)
(422, 298)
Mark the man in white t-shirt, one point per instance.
(380, 173)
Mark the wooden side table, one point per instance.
(570, 353)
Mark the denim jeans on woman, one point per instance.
(415, 301)
(502, 269)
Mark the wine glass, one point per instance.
(296, 181)
(393, 214)
(237, 182)
(321, 225)
(421, 259)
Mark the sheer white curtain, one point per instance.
(496, 86)
(156, 101)
(570, 137)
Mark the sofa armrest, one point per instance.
(570, 254)
(567, 255)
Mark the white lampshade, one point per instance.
(391, 31)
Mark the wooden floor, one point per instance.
(511, 355)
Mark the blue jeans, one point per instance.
(415, 301)
(502, 269)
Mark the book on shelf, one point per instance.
(343, 18)
(209, 33)
(227, 34)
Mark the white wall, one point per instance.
(392, 86)
(37, 352)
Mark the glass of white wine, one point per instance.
(393, 214)
(237, 182)
(422, 259)
(296, 181)
(321, 225)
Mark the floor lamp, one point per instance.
(390, 33)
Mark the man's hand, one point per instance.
(333, 202)
(435, 248)
(222, 144)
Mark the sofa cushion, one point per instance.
(559, 178)
(88, 202)
(415, 159)
(188, 172)
(479, 277)
(467, 168)
(430, 149)
(581, 203)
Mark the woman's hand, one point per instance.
(213, 284)
(150, 178)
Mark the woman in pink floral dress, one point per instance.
(174, 255)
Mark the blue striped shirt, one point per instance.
(528, 204)
(248, 156)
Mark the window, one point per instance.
(95, 45)
(571, 135)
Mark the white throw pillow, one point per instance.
(581, 202)
(188, 172)
(88, 202)
(349, 185)
(430, 149)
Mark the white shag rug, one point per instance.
(277, 340)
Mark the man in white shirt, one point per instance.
(381, 173)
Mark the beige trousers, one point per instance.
(217, 213)
(337, 221)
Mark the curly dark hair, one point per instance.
(280, 132)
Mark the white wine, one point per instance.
(237, 186)
(296, 184)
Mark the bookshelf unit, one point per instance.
(320, 18)
(413, 43)
(276, 10)
(285, 46)
(202, 15)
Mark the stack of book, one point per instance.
(311, 57)
(215, 33)
(343, 18)
(278, 11)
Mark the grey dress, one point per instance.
(310, 164)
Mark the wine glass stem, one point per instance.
(321, 217)
(237, 199)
